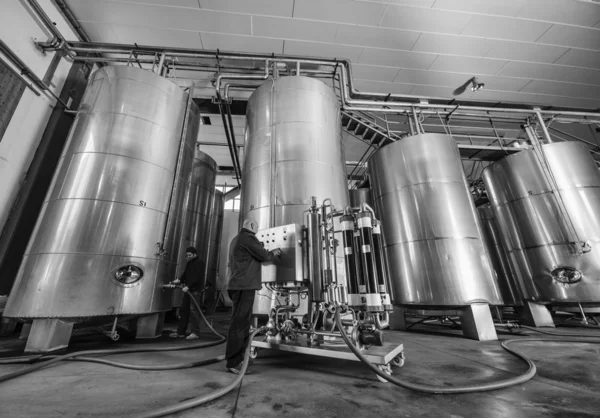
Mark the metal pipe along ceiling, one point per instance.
(351, 98)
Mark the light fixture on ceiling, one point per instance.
(475, 86)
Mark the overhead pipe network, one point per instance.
(352, 99)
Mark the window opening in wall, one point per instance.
(233, 204)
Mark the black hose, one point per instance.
(557, 334)
(175, 366)
(49, 360)
(482, 387)
(192, 403)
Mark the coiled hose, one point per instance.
(481, 387)
(46, 360)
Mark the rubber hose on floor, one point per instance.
(192, 403)
(557, 334)
(52, 359)
(482, 387)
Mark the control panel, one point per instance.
(289, 270)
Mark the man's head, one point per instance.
(250, 224)
(191, 253)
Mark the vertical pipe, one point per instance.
(366, 237)
(539, 152)
(174, 190)
(161, 62)
(229, 143)
(410, 125)
(382, 273)
(235, 147)
(543, 125)
(315, 254)
(365, 228)
(414, 112)
(347, 224)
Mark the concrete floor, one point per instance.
(283, 384)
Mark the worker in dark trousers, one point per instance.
(246, 254)
(193, 281)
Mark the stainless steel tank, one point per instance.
(293, 151)
(111, 209)
(214, 244)
(432, 238)
(200, 196)
(359, 196)
(492, 237)
(541, 238)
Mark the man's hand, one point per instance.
(185, 288)
(277, 252)
(176, 281)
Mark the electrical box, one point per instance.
(290, 270)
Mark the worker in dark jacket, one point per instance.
(246, 254)
(193, 282)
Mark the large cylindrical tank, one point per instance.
(214, 244)
(432, 238)
(200, 196)
(492, 237)
(108, 236)
(293, 151)
(540, 236)
(360, 196)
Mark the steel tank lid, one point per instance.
(137, 74)
(293, 83)
(204, 157)
(520, 154)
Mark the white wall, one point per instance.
(18, 29)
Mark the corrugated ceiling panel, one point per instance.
(580, 58)
(241, 43)
(453, 44)
(572, 36)
(376, 37)
(371, 72)
(419, 19)
(563, 89)
(521, 51)
(467, 65)
(502, 8)
(505, 28)
(399, 59)
(157, 36)
(381, 87)
(160, 16)
(316, 49)
(535, 71)
(255, 7)
(573, 12)
(303, 30)
(343, 11)
(581, 75)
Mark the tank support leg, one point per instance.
(150, 326)
(25, 330)
(537, 315)
(397, 319)
(48, 335)
(477, 322)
